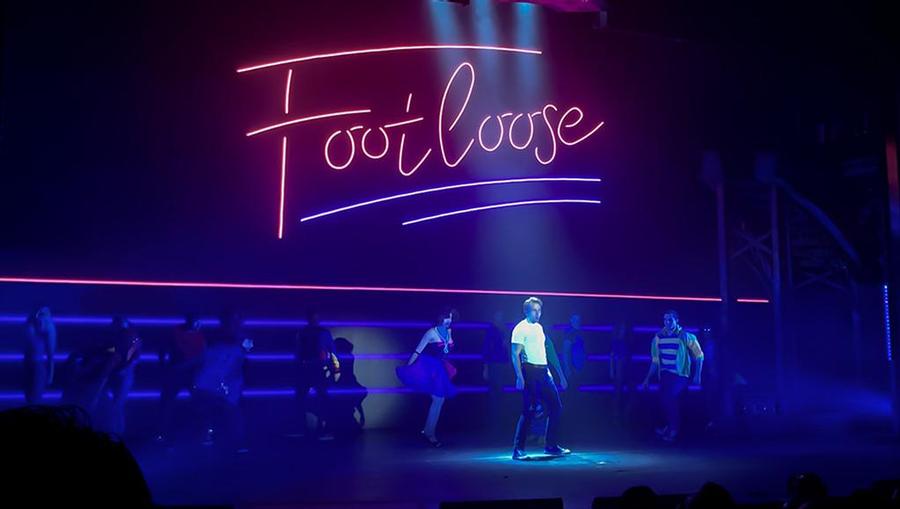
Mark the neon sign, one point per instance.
(519, 130)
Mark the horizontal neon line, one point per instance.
(289, 357)
(388, 49)
(498, 206)
(287, 392)
(296, 323)
(384, 289)
(754, 301)
(307, 119)
(448, 188)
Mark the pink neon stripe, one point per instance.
(754, 301)
(283, 175)
(498, 206)
(448, 188)
(388, 49)
(307, 119)
(388, 289)
(287, 92)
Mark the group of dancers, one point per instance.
(211, 370)
(100, 374)
(675, 354)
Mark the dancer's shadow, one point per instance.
(347, 415)
(542, 457)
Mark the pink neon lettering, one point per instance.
(349, 157)
(287, 92)
(574, 123)
(552, 137)
(569, 129)
(499, 138)
(306, 119)
(387, 144)
(512, 125)
(403, 143)
(464, 65)
(283, 174)
(463, 77)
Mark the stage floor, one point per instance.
(390, 469)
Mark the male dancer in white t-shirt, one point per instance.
(533, 378)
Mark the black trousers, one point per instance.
(539, 388)
(176, 376)
(671, 387)
(311, 375)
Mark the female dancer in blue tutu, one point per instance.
(429, 372)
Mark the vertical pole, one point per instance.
(893, 269)
(778, 330)
(723, 369)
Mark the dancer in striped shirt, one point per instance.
(671, 352)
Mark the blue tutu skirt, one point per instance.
(427, 374)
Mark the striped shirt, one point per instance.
(672, 351)
(668, 345)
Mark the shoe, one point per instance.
(432, 440)
(324, 437)
(557, 451)
(662, 431)
(670, 436)
(519, 455)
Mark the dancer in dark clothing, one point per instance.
(40, 346)
(102, 376)
(180, 358)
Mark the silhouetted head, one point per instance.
(711, 496)
(52, 458)
(804, 488)
(638, 497)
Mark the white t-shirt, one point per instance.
(531, 337)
